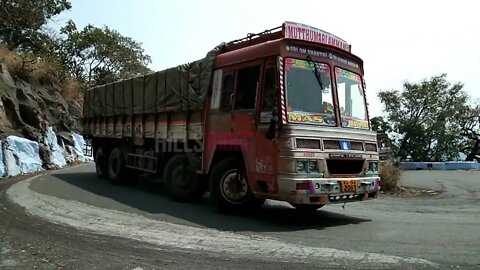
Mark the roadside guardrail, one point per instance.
(449, 165)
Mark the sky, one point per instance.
(398, 40)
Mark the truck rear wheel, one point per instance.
(101, 163)
(181, 180)
(229, 187)
(117, 167)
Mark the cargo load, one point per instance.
(181, 88)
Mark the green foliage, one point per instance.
(426, 116)
(471, 130)
(100, 55)
(91, 55)
(21, 21)
(380, 125)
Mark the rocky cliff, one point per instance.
(27, 108)
(38, 127)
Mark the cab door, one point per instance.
(240, 116)
(244, 120)
(266, 150)
(231, 119)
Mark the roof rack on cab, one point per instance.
(253, 39)
(290, 30)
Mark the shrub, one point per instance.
(390, 176)
(71, 89)
(27, 67)
(12, 60)
(43, 71)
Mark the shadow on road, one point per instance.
(149, 197)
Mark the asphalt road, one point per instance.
(122, 227)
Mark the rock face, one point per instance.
(22, 156)
(2, 166)
(56, 156)
(31, 116)
(26, 109)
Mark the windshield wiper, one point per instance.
(316, 71)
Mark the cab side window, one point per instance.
(227, 90)
(246, 90)
(269, 90)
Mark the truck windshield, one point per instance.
(351, 99)
(307, 102)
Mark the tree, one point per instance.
(425, 116)
(380, 125)
(100, 55)
(471, 130)
(21, 20)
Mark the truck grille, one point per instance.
(308, 143)
(329, 144)
(372, 147)
(345, 166)
(335, 145)
(357, 146)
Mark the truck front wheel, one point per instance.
(229, 187)
(181, 180)
(101, 163)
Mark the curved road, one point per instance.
(70, 219)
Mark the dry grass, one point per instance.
(11, 59)
(27, 67)
(390, 175)
(44, 71)
(71, 89)
(30, 68)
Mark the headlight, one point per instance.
(312, 166)
(300, 166)
(373, 166)
(307, 166)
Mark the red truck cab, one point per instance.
(291, 102)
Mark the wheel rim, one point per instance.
(234, 186)
(181, 179)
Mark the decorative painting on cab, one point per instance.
(354, 123)
(297, 63)
(306, 118)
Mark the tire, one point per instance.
(181, 181)
(232, 196)
(307, 207)
(118, 172)
(101, 163)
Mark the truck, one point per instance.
(279, 115)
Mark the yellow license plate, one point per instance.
(348, 185)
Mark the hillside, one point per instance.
(27, 108)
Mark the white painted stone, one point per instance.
(56, 152)
(2, 165)
(21, 156)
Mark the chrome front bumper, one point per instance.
(326, 190)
